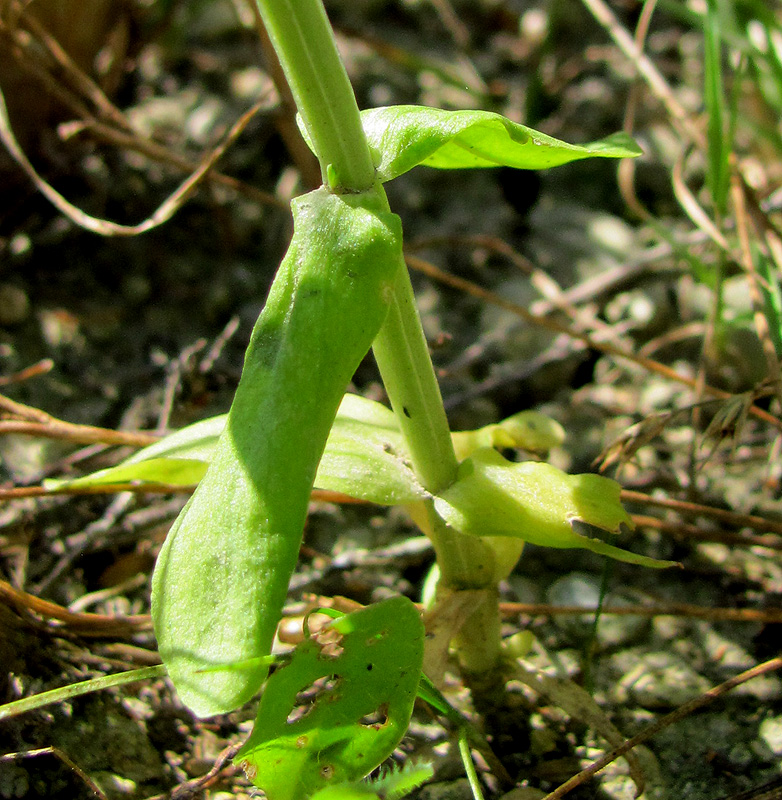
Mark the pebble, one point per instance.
(583, 589)
(448, 790)
(14, 305)
(771, 733)
(115, 786)
(658, 680)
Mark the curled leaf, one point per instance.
(527, 430)
(535, 502)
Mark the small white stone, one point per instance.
(771, 733)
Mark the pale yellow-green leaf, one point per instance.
(535, 502)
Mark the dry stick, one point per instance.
(33, 371)
(164, 155)
(34, 422)
(189, 789)
(95, 530)
(174, 370)
(693, 208)
(10, 406)
(206, 364)
(697, 509)
(764, 615)
(652, 730)
(685, 531)
(85, 624)
(473, 289)
(103, 227)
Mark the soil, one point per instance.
(147, 333)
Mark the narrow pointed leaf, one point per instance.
(403, 137)
(365, 458)
(178, 459)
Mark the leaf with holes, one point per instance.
(361, 673)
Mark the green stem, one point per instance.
(304, 42)
(76, 689)
(403, 358)
(303, 39)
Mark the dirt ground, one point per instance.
(147, 332)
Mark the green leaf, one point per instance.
(146, 472)
(222, 576)
(535, 502)
(363, 670)
(719, 144)
(527, 430)
(364, 458)
(178, 459)
(403, 137)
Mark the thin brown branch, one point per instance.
(33, 371)
(83, 623)
(765, 615)
(656, 367)
(696, 509)
(652, 730)
(104, 227)
(685, 531)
